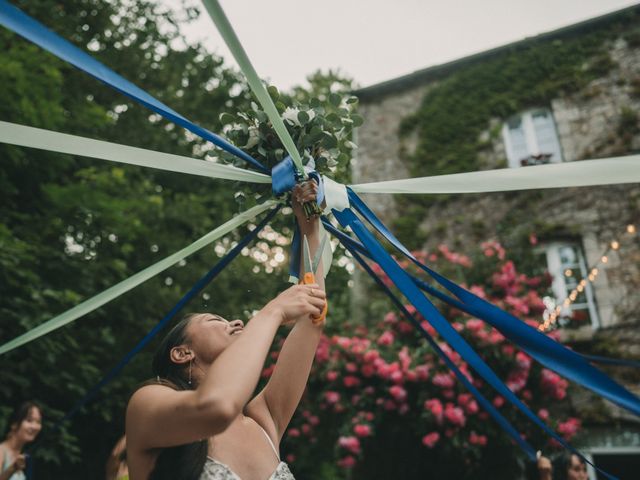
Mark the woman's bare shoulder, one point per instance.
(149, 392)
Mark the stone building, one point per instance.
(563, 96)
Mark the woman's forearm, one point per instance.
(233, 376)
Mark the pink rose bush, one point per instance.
(380, 377)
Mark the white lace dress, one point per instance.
(215, 470)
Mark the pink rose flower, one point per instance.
(443, 380)
(455, 415)
(367, 370)
(569, 428)
(422, 371)
(472, 407)
(370, 355)
(332, 397)
(332, 375)
(430, 439)
(347, 462)
(398, 393)
(435, 407)
(352, 444)
(386, 338)
(396, 377)
(362, 430)
(475, 439)
(351, 381)
(390, 318)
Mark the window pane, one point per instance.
(568, 256)
(546, 136)
(518, 140)
(572, 293)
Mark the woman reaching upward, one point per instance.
(200, 420)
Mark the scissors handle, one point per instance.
(308, 279)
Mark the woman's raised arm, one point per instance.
(284, 390)
(160, 417)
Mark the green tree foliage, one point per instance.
(71, 227)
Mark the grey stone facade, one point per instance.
(588, 126)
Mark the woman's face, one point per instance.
(210, 334)
(577, 469)
(29, 428)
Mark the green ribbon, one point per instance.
(31, 137)
(231, 39)
(115, 291)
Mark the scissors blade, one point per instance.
(318, 256)
(306, 256)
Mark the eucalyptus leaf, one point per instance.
(226, 118)
(332, 118)
(273, 92)
(335, 99)
(303, 117)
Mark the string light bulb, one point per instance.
(593, 273)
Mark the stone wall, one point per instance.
(588, 124)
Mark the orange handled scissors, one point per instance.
(310, 269)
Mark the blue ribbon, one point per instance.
(284, 177)
(21, 23)
(486, 404)
(622, 362)
(545, 350)
(353, 244)
(404, 283)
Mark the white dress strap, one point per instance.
(275, 450)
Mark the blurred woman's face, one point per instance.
(210, 334)
(30, 427)
(577, 469)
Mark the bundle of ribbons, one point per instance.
(350, 212)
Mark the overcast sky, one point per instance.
(375, 40)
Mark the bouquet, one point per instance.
(321, 128)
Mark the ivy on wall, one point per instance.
(458, 108)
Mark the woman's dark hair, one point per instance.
(19, 414)
(562, 464)
(184, 461)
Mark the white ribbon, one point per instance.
(63, 143)
(115, 291)
(335, 194)
(606, 171)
